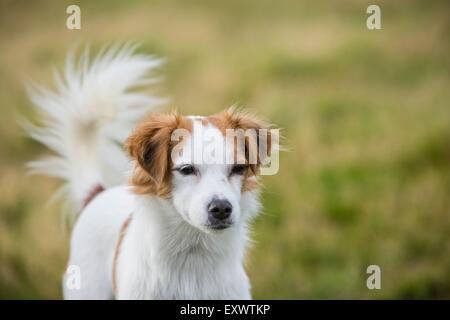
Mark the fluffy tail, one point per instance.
(88, 117)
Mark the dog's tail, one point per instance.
(87, 118)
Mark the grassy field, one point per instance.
(366, 117)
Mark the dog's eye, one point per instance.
(239, 169)
(186, 170)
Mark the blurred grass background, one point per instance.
(365, 113)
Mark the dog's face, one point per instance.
(194, 162)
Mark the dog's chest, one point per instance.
(197, 276)
(190, 276)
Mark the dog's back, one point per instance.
(94, 244)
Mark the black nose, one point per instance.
(220, 209)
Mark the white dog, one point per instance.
(178, 229)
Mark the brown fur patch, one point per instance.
(92, 194)
(150, 145)
(205, 121)
(250, 184)
(123, 231)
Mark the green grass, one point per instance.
(365, 115)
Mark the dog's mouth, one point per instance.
(220, 225)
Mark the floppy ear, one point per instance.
(150, 145)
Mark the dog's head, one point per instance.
(206, 166)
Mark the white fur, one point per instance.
(168, 251)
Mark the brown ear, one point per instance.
(150, 145)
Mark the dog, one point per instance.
(150, 224)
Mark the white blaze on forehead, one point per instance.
(196, 118)
(206, 144)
